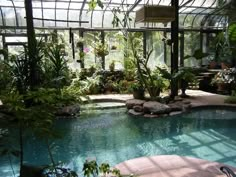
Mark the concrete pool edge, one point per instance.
(171, 166)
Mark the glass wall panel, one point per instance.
(90, 59)
(97, 19)
(1, 47)
(21, 16)
(156, 45)
(16, 39)
(86, 16)
(49, 14)
(38, 14)
(74, 16)
(15, 49)
(191, 44)
(9, 15)
(115, 44)
(61, 15)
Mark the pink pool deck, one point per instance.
(171, 166)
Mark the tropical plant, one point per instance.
(91, 168)
(57, 63)
(182, 78)
(101, 49)
(227, 76)
(197, 54)
(33, 112)
(232, 98)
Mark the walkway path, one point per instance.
(171, 166)
(197, 98)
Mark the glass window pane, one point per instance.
(49, 4)
(5, 3)
(20, 16)
(75, 5)
(116, 50)
(9, 15)
(49, 14)
(63, 5)
(89, 59)
(37, 14)
(97, 19)
(86, 16)
(16, 39)
(61, 14)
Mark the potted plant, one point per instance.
(112, 66)
(198, 55)
(137, 89)
(183, 77)
(101, 49)
(225, 79)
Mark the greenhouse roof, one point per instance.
(64, 14)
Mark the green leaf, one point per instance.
(100, 4)
(92, 5)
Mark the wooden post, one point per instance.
(144, 44)
(33, 80)
(81, 48)
(103, 42)
(174, 46)
(182, 49)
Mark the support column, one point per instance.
(5, 47)
(201, 45)
(103, 42)
(175, 46)
(182, 49)
(81, 49)
(144, 44)
(33, 80)
(165, 49)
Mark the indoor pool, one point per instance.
(112, 136)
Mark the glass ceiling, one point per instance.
(76, 13)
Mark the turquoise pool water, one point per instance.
(113, 136)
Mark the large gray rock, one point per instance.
(138, 108)
(177, 106)
(134, 102)
(151, 115)
(134, 113)
(155, 107)
(68, 110)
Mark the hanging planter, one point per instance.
(155, 13)
(101, 50)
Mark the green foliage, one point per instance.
(58, 171)
(101, 49)
(56, 69)
(5, 76)
(34, 111)
(198, 54)
(223, 50)
(232, 33)
(225, 76)
(116, 21)
(94, 3)
(231, 99)
(91, 168)
(186, 74)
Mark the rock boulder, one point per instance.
(155, 107)
(134, 113)
(68, 110)
(134, 102)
